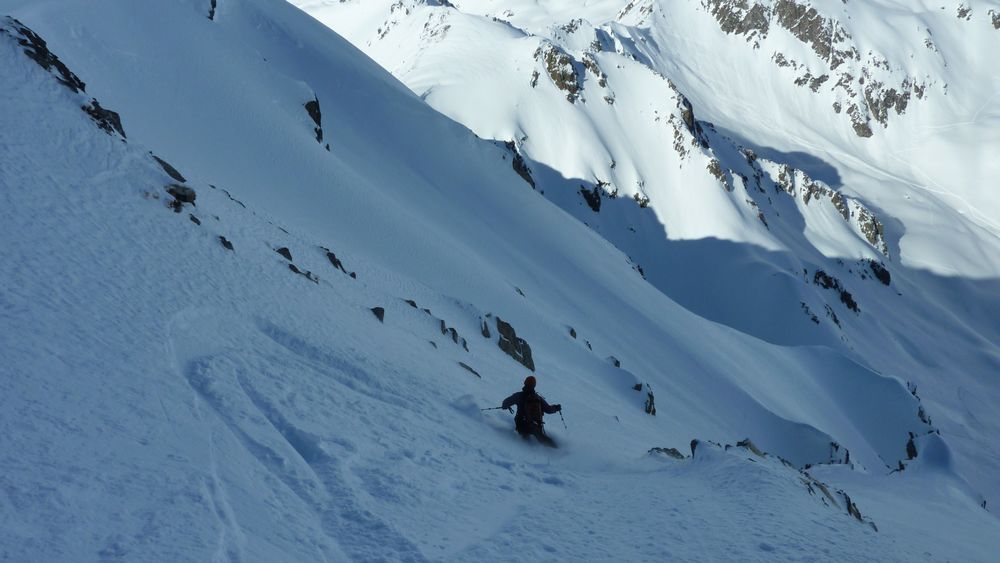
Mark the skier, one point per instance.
(531, 407)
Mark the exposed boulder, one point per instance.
(109, 121)
(379, 313)
(668, 452)
(183, 194)
(170, 170)
(225, 243)
(285, 252)
(514, 346)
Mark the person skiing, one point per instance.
(531, 408)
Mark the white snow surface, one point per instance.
(168, 399)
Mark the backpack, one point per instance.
(532, 409)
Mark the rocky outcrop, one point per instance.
(108, 121)
(867, 97)
(225, 243)
(37, 50)
(379, 313)
(561, 68)
(826, 281)
(312, 108)
(514, 346)
(519, 165)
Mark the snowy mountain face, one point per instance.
(805, 172)
(256, 290)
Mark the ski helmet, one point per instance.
(529, 382)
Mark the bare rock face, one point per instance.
(867, 99)
(312, 108)
(519, 165)
(514, 347)
(561, 69)
(38, 50)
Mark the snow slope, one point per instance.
(807, 173)
(175, 390)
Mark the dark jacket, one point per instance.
(519, 397)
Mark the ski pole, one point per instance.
(563, 420)
(491, 409)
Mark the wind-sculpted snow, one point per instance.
(197, 370)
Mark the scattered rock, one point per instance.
(379, 313)
(650, 406)
(411, 303)
(225, 242)
(194, 219)
(485, 329)
(572, 332)
(637, 387)
(285, 252)
(211, 10)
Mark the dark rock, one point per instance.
(285, 252)
(314, 112)
(650, 406)
(880, 272)
(694, 445)
(485, 329)
(911, 448)
(614, 361)
(469, 368)
(515, 347)
(307, 274)
(170, 170)
(592, 197)
(572, 332)
(109, 121)
(183, 194)
(519, 165)
(826, 281)
(38, 51)
(411, 303)
(637, 387)
(669, 452)
(225, 242)
(444, 327)
(379, 313)
(211, 10)
(454, 334)
(194, 219)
